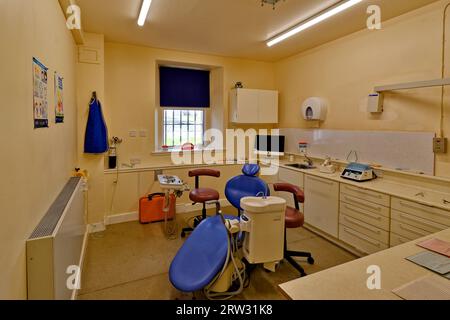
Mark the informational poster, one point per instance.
(40, 99)
(59, 104)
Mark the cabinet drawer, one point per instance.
(407, 231)
(360, 241)
(367, 206)
(418, 222)
(368, 195)
(397, 240)
(430, 213)
(291, 176)
(364, 228)
(374, 219)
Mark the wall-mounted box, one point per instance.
(375, 103)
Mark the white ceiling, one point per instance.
(235, 28)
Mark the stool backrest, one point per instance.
(299, 196)
(197, 173)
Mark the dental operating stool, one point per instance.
(201, 195)
(294, 218)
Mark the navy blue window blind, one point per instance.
(185, 88)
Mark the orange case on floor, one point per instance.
(151, 208)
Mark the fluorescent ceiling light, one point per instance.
(144, 12)
(308, 24)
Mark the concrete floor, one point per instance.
(130, 261)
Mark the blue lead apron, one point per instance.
(96, 138)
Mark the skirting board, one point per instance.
(134, 216)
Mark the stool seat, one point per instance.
(203, 195)
(294, 218)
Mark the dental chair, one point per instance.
(204, 254)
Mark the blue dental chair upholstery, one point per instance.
(201, 257)
(204, 253)
(246, 185)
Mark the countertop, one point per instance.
(349, 281)
(408, 192)
(383, 185)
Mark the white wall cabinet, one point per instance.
(253, 106)
(322, 204)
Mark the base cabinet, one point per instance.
(322, 204)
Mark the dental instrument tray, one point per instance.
(358, 172)
(170, 182)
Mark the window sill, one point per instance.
(162, 152)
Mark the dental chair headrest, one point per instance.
(251, 170)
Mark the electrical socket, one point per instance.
(135, 161)
(133, 133)
(440, 145)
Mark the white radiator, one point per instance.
(56, 248)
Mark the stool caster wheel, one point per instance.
(311, 260)
(303, 275)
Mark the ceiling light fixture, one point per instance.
(312, 22)
(144, 12)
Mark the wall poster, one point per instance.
(59, 105)
(40, 100)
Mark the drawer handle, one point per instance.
(378, 196)
(403, 227)
(377, 244)
(321, 181)
(407, 205)
(376, 231)
(363, 204)
(373, 216)
(410, 218)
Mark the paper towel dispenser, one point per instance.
(315, 109)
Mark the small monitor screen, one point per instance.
(273, 144)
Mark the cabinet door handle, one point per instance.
(410, 218)
(407, 205)
(378, 196)
(362, 204)
(403, 227)
(376, 231)
(373, 216)
(377, 244)
(321, 181)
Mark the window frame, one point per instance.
(189, 109)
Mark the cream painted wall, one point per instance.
(130, 87)
(408, 48)
(91, 77)
(36, 163)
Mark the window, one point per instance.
(183, 126)
(185, 97)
